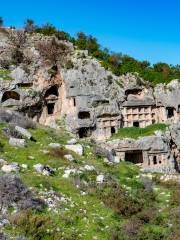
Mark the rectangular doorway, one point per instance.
(134, 157)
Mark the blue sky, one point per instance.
(144, 29)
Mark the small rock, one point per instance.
(16, 142)
(31, 157)
(14, 167)
(72, 141)
(2, 162)
(100, 178)
(47, 171)
(67, 172)
(54, 145)
(39, 167)
(116, 159)
(77, 148)
(24, 166)
(89, 168)
(69, 157)
(43, 169)
(45, 151)
(4, 222)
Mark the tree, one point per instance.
(81, 41)
(163, 68)
(47, 30)
(53, 52)
(1, 21)
(29, 26)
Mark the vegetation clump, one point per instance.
(133, 132)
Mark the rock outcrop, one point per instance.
(51, 79)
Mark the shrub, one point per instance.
(69, 64)
(152, 233)
(52, 51)
(175, 233)
(18, 38)
(47, 30)
(17, 56)
(29, 26)
(58, 153)
(147, 215)
(119, 200)
(33, 225)
(61, 35)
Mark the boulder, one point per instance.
(24, 132)
(77, 148)
(16, 142)
(102, 152)
(8, 168)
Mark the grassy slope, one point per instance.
(133, 132)
(88, 218)
(4, 74)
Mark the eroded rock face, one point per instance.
(93, 102)
(153, 153)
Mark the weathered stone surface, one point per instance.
(153, 153)
(92, 100)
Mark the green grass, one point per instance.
(4, 74)
(88, 218)
(133, 132)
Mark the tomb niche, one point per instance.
(51, 97)
(84, 115)
(135, 156)
(170, 112)
(136, 124)
(113, 130)
(84, 132)
(10, 95)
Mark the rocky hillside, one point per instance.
(55, 187)
(84, 153)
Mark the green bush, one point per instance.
(119, 200)
(33, 225)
